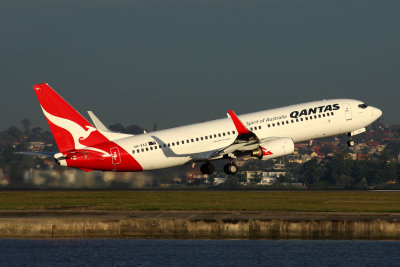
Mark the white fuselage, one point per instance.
(299, 122)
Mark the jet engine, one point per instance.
(274, 148)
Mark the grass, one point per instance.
(309, 201)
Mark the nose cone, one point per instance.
(375, 113)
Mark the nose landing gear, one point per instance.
(350, 141)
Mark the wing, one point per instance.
(248, 143)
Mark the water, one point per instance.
(131, 252)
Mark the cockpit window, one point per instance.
(362, 106)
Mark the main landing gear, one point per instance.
(230, 168)
(207, 168)
(350, 141)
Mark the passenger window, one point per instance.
(215, 136)
(283, 123)
(310, 117)
(332, 113)
(219, 135)
(147, 149)
(192, 140)
(228, 133)
(197, 139)
(137, 151)
(223, 134)
(169, 145)
(319, 115)
(269, 125)
(306, 118)
(233, 132)
(277, 123)
(177, 143)
(164, 145)
(327, 114)
(259, 127)
(273, 125)
(301, 119)
(133, 151)
(151, 148)
(187, 141)
(201, 138)
(173, 144)
(142, 149)
(323, 115)
(206, 137)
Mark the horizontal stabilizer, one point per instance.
(97, 123)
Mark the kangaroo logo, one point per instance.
(266, 152)
(78, 132)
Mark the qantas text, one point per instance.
(320, 109)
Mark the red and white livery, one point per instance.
(264, 135)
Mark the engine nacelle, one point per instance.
(274, 148)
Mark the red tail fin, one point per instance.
(69, 128)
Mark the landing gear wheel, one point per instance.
(351, 143)
(230, 168)
(207, 168)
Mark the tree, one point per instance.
(393, 148)
(312, 172)
(14, 133)
(26, 123)
(338, 169)
(134, 129)
(117, 127)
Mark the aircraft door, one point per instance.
(115, 156)
(347, 112)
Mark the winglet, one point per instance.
(238, 124)
(97, 123)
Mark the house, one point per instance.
(353, 156)
(372, 143)
(317, 154)
(37, 146)
(363, 156)
(268, 181)
(219, 180)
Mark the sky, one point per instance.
(179, 62)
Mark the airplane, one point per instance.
(264, 135)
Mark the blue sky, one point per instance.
(179, 62)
